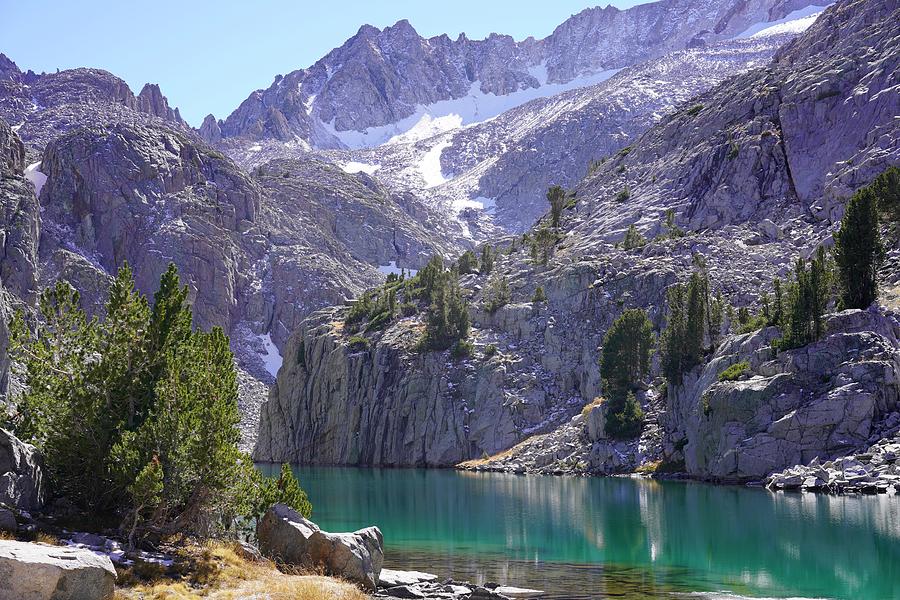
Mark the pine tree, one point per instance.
(886, 188)
(859, 250)
(497, 294)
(682, 343)
(448, 316)
(695, 327)
(135, 413)
(625, 359)
(543, 244)
(633, 239)
(777, 304)
(468, 263)
(556, 197)
(487, 259)
(672, 339)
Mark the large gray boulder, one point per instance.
(21, 478)
(286, 537)
(40, 572)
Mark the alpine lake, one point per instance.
(617, 537)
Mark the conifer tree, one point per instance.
(859, 250)
(633, 239)
(624, 362)
(468, 263)
(487, 259)
(135, 412)
(625, 358)
(556, 197)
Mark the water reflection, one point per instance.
(591, 537)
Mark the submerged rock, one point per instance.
(287, 537)
(31, 571)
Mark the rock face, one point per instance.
(40, 572)
(820, 401)
(377, 83)
(19, 219)
(743, 152)
(22, 482)
(210, 130)
(286, 537)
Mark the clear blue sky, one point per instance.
(208, 56)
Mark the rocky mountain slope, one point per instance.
(493, 174)
(756, 171)
(382, 83)
(94, 176)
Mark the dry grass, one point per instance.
(478, 462)
(45, 538)
(219, 572)
(591, 405)
(649, 468)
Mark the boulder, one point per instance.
(286, 537)
(8, 520)
(391, 578)
(31, 571)
(21, 478)
(517, 592)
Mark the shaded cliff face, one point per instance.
(377, 84)
(725, 163)
(19, 216)
(19, 220)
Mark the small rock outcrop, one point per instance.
(21, 477)
(286, 537)
(822, 401)
(152, 102)
(31, 571)
(210, 130)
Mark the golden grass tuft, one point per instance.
(218, 572)
(591, 405)
(649, 468)
(45, 538)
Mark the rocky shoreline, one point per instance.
(414, 584)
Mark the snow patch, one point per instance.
(539, 72)
(430, 167)
(16, 128)
(427, 127)
(474, 107)
(795, 22)
(487, 204)
(34, 175)
(356, 167)
(392, 269)
(309, 104)
(272, 359)
(254, 148)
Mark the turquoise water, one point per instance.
(617, 537)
